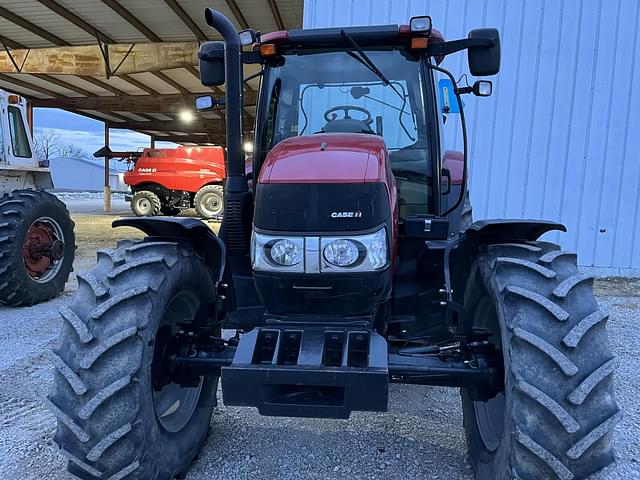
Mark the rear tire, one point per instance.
(145, 203)
(209, 201)
(112, 421)
(28, 220)
(558, 411)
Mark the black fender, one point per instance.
(509, 230)
(460, 253)
(205, 242)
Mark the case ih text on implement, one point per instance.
(348, 263)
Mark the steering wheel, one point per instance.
(346, 109)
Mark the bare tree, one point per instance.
(72, 151)
(48, 144)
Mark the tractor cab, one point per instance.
(350, 170)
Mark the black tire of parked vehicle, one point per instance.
(33, 213)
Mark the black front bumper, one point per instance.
(295, 371)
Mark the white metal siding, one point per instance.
(560, 137)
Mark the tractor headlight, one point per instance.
(273, 253)
(315, 254)
(342, 252)
(358, 253)
(286, 252)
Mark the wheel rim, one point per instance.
(212, 204)
(43, 249)
(490, 415)
(174, 405)
(144, 206)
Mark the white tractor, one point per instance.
(37, 242)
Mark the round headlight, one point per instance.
(286, 253)
(341, 253)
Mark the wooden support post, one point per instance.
(152, 142)
(30, 116)
(107, 187)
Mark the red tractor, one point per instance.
(346, 264)
(168, 180)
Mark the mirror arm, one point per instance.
(464, 90)
(447, 48)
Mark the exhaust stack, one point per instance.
(236, 179)
(238, 207)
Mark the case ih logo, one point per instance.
(147, 170)
(356, 214)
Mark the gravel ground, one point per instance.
(420, 437)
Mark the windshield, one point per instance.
(335, 91)
(306, 87)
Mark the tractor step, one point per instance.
(308, 372)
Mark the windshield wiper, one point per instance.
(366, 61)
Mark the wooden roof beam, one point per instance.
(76, 20)
(276, 14)
(199, 125)
(30, 86)
(10, 43)
(60, 42)
(31, 27)
(165, 104)
(187, 20)
(131, 19)
(216, 139)
(233, 6)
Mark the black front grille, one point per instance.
(321, 207)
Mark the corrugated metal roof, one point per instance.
(30, 24)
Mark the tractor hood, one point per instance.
(326, 158)
(324, 182)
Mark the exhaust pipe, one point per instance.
(235, 230)
(236, 179)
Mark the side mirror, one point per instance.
(247, 37)
(484, 60)
(203, 103)
(211, 57)
(482, 88)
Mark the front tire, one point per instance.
(145, 203)
(209, 201)
(115, 418)
(556, 415)
(37, 246)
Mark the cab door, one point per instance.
(18, 150)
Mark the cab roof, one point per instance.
(333, 37)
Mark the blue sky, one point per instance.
(86, 133)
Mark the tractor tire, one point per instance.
(115, 419)
(30, 221)
(145, 203)
(556, 415)
(466, 218)
(209, 201)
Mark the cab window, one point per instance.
(19, 139)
